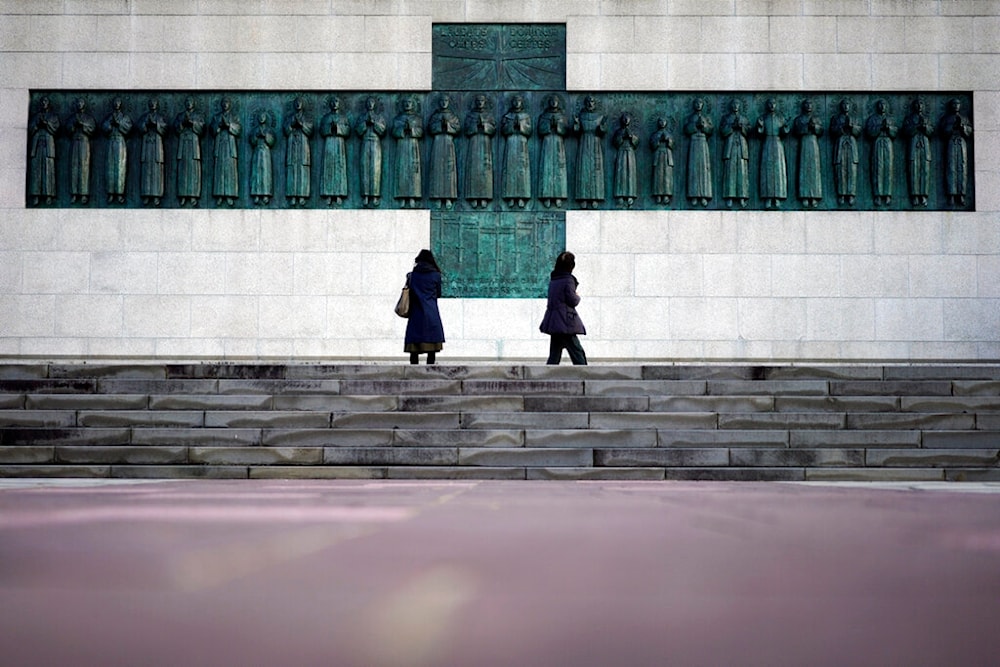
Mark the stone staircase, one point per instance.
(395, 421)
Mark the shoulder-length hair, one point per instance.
(427, 257)
(566, 261)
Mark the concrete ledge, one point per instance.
(784, 420)
(274, 419)
(696, 438)
(336, 403)
(468, 472)
(522, 387)
(411, 420)
(197, 437)
(317, 472)
(874, 475)
(653, 420)
(459, 438)
(934, 458)
(768, 387)
(211, 402)
(961, 439)
(27, 454)
(864, 439)
(497, 456)
(87, 402)
(179, 472)
(631, 474)
(66, 436)
(136, 455)
(891, 388)
(711, 403)
(140, 418)
(54, 471)
(801, 458)
(651, 388)
(391, 456)
(586, 404)
(224, 456)
(462, 403)
(500, 420)
(837, 404)
(735, 474)
(936, 422)
(37, 418)
(326, 437)
(675, 457)
(556, 438)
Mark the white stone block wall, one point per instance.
(673, 285)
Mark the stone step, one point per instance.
(395, 421)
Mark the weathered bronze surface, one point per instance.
(500, 135)
(496, 254)
(524, 150)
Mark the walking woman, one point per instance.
(424, 332)
(561, 322)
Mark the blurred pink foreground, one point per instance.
(349, 573)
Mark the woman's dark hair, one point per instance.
(427, 257)
(566, 261)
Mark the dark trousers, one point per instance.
(570, 343)
(415, 357)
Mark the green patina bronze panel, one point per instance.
(521, 150)
(500, 149)
(497, 254)
(488, 56)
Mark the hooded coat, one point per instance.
(560, 311)
(424, 324)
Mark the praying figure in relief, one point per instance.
(480, 127)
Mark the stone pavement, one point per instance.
(486, 573)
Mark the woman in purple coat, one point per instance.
(424, 331)
(561, 322)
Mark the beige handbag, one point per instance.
(403, 304)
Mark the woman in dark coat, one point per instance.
(561, 321)
(424, 332)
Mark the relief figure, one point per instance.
(591, 125)
(81, 126)
(116, 127)
(225, 167)
(262, 141)
(515, 126)
(662, 144)
(956, 130)
(152, 128)
(298, 155)
(553, 124)
(42, 154)
(443, 125)
(844, 133)
(626, 177)
(918, 128)
(698, 127)
(190, 125)
(408, 129)
(808, 128)
(735, 156)
(335, 128)
(881, 130)
(480, 126)
(773, 167)
(371, 127)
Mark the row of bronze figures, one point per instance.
(589, 125)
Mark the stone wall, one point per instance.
(716, 285)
